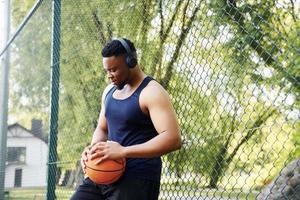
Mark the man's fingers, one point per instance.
(101, 159)
(99, 146)
(97, 154)
(84, 155)
(83, 166)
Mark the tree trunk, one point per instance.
(222, 161)
(184, 32)
(218, 168)
(76, 176)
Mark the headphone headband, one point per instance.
(131, 57)
(127, 48)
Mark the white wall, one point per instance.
(35, 169)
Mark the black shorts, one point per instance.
(124, 189)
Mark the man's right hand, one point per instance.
(84, 157)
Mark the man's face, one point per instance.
(117, 70)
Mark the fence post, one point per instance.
(55, 57)
(4, 97)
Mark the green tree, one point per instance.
(210, 56)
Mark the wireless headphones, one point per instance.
(131, 57)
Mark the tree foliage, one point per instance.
(231, 68)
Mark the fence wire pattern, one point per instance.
(230, 67)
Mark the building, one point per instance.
(27, 154)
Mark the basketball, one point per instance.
(106, 172)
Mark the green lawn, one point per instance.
(38, 193)
(64, 193)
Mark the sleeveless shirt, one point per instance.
(128, 125)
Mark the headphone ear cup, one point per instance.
(131, 61)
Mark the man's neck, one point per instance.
(136, 76)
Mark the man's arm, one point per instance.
(100, 133)
(158, 103)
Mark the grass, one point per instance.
(190, 189)
(38, 193)
(64, 193)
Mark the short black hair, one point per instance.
(115, 48)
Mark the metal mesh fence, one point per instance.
(230, 67)
(28, 118)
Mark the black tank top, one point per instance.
(128, 125)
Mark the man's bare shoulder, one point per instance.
(106, 90)
(153, 91)
(154, 86)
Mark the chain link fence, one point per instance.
(230, 67)
(29, 100)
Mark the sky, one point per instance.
(1, 23)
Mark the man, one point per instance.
(137, 122)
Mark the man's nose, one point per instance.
(109, 75)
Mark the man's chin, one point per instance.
(120, 86)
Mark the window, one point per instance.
(16, 155)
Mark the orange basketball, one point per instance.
(106, 172)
